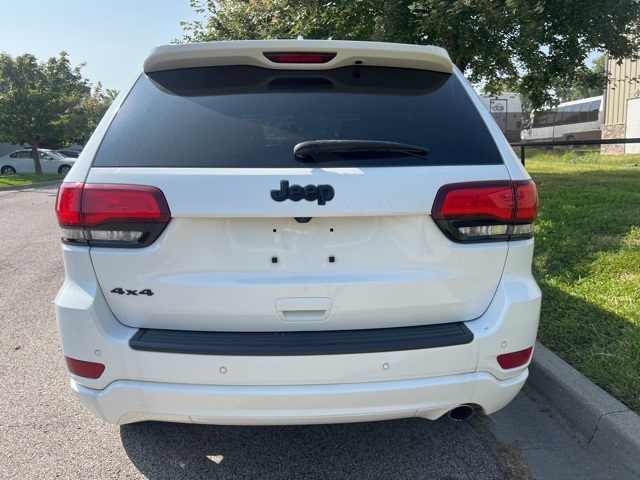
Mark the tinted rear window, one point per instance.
(245, 117)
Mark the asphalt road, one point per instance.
(46, 433)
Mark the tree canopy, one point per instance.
(47, 102)
(531, 46)
(583, 86)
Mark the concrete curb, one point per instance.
(603, 421)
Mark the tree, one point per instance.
(587, 84)
(45, 102)
(532, 46)
(92, 109)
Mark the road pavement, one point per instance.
(46, 433)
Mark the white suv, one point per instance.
(297, 232)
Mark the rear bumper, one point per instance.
(131, 401)
(299, 389)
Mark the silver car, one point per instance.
(21, 161)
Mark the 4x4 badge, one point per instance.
(321, 193)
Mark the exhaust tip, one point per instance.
(463, 412)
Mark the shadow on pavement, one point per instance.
(413, 448)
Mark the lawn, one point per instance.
(16, 180)
(587, 262)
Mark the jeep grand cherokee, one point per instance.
(297, 232)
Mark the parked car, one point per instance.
(69, 153)
(21, 161)
(293, 232)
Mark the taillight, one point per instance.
(515, 359)
(85, 369)
(299, 57)
(486, 211)
(111, 215)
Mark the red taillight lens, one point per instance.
(68, 204)
(111, 215)
(85, 369)
(299, 57)
(485, 201)
(515, 359)
(486, 211)
(526, 200)
(123, 203)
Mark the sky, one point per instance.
(113, 37)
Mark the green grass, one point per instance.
(16, 180)
(587, 262)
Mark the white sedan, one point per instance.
(21, 161)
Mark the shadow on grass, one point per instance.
(587, 262)
(413, 448)
(603, 346)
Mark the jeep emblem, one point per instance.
(321, 193)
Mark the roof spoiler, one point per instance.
(254, 53)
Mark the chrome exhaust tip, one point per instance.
(463, 412)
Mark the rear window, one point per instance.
(251, 117)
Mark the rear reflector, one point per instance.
(85, 369)
(299, 57)
(111, 215)
(515, 359)
(486, 211)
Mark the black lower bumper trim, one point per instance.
(334, 342)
